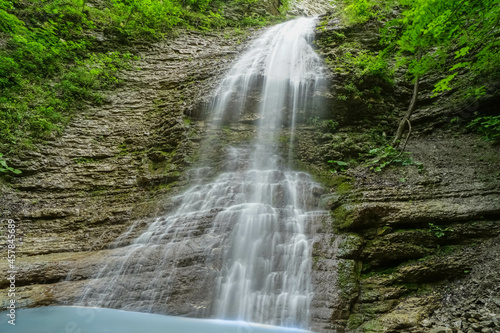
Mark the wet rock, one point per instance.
(330, 201)
(309, 7)
(350, 246)
(426, 323)
(487, 324)
(441, 330)
(457, 324)
(386, 253)
(113, 165)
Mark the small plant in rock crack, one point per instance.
(315, 121)
(439, 231)
(338, 166)
(327, 126)
(385, 156)
(489, 127)
(4, 168)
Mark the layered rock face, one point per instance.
(417, 243)
(159, 113)
(406, 250)
(113, 164)
(309, 7)
(411, 238)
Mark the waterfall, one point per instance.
(239, 243)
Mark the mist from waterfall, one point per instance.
(247, 229)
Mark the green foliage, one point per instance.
(4, 168)
(327, 126)
(364, 64)
(442, 29)
(247, 1)
(148, 15)
(384, 156)
(315, 121)
(84, 160)
(36, 108)
(9, 23)
(439, 231)
(488, 126)
(338, 166)
(330, 125)
(358, 11)
(367, 73)
(285, 6)
(47, 69)
(362, 11)
(462, 32)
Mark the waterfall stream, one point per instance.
(243, 235)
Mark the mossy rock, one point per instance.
(433, 269)
(353, 217)
(343, 217)
(376, 307)
(382, 253)
(350, 246)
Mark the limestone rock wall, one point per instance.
(309, 7)
(113, 164)
(406, 250)
(415, 246)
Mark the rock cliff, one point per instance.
(113, 165)
(409, 249)
(415, 243)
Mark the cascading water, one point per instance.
(247, 230)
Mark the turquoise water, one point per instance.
(63, 319)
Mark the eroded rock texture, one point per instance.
(406, 250)
(418, 243)
(112, 165)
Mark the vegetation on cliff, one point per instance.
(377, 52)
(56, 55)
(53, 61)
(458, 39)
(448, 35)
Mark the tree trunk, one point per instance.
(411, 108)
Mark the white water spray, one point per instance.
(249, 225)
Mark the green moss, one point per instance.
(384, 231)
(315, 261)
(387, 271)
(341, 184)
(98, 191)
(424, 231)
(343, 217)
(163, 187)
(415, 289)
(373, 326)
(348, 273)
(344, 187)
(355, 321)
(323, 177)
(284, 138)
(446, 250)
(383, 272)
(376, 307)
(351, 244)
(84, 160)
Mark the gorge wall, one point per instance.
(410, 249)
(418, 242)
(113, 164)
